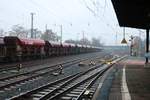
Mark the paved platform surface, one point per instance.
(131, 81)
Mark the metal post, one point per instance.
(61, 33)
(131, 48)
(83, 41)
(32, 25)
(147, 44)
(46, 27)
(116, 38)
(140, 41)
(124, 32)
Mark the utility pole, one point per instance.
(140, 43)
(32, 24)
(46, 27)
(83, 38)
(147, 44)
(116, 38)
(46, 31)
(61, 33)
(77, 38)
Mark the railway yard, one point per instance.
(68, 73)
(74, 50)
(65, 77)
(102, 75)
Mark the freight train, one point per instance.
(14, 49)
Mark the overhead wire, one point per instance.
(91, 10)
(49, 10)
(98, 16)
(101, 17)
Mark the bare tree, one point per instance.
(37, 33)
(72, 41)
(1, 32)
(96, 42)
(85, 41)
(49, 35)
(18, 31)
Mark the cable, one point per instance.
(89, 8)
(98, 16)
(53, 13)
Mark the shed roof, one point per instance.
(133, 13)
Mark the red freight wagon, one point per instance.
(35, 42)
(55, 48)
(19, 48)
(66, 48)
(2, 49)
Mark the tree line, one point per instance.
(49, 35)
(94, 42)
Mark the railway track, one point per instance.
(8, 68)
(15, 79)
(46, 69)
(10, 72)
(24, 78)
(69, 88)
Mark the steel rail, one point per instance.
(48, 85)
(30, 77)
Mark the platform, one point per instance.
(130, 80)
(137, 80)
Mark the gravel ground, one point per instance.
(50, 62)
(15, 90)
(47, 60)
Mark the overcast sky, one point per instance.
(96, 18)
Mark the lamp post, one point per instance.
(32, 14)
(61, 30)
(124, 40)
